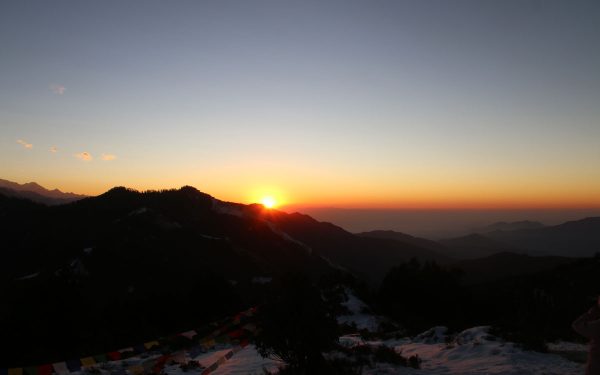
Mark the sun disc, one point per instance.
(269, 202)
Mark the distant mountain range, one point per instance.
(504, 226)
(407, 238)
(467, 247)
(37, 193)
(505, 265)
(475, 246)
(579, 238)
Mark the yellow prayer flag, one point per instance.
(207, 344)
(150, 344)
(87, 361)
(136, 369)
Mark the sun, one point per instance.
(269, 202)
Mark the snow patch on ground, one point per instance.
(261, 280)
(351, 341)
(435, 335)
(209, 237)
(139, 211)
(27, 277)
(564, 346)
(358, 314)
(248, 361)
(476, 352)
(288, 238)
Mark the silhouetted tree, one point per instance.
(296, 325)
(421, 295)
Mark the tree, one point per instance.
(420, 295)
(296, 325)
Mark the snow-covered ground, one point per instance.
(246, 361)
(471, 352)
(359, 314)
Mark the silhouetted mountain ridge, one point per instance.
(578, 238)
(508, 226)
(37, 193)
(505, 265)
(475, 245)
(407, 238)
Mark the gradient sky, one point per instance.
(408, 104)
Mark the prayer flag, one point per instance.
(236, 334)
(195, 351)
(114, 356)
(136, 370)
(87, 361)
(45, 369)
(189, 334)
(60, 368)
(150, 344)
(74, 365)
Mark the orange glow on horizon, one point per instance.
(342, 193)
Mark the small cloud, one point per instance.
(58, 89)
(108, 157)
(53, 149)
(85, 156)
(24, 144)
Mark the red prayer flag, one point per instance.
(45, 369)
(114, 356)
(236, 334)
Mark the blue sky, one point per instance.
(401, 102)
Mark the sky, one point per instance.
(361, 104)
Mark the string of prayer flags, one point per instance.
(227, 330)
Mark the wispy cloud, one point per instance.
(85, 156)
(24, 144)
(58, 89)
(108, 157)
(53, 149)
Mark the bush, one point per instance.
(388, 355)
